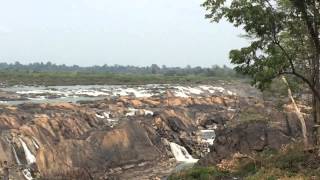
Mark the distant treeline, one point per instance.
(153, 69)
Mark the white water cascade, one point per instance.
(29, 156)
(16, 156)
(208, 136)
(181, 154)
(132, 112)
(14, 152)
(30, 159)
(27, 174)
(35, 143)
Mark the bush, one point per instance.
(203, 173)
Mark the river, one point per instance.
(53, 94)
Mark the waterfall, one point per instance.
(29, 156)
(208, 136)
(132, 112)
(35, 143)
(27, 174)
(181, 154)
(15, 155)
(99, 116)
(107, 115)
(148, 112)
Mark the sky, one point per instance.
(126, 32)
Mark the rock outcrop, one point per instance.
(104, 138)
(262, 128)
(122, 136)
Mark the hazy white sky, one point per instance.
(126, 32)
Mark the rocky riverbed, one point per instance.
(139, 137)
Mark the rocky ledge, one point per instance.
(136, 138)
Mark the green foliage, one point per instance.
(216, 71)
(290, 163)
(281, 38)
(51, 74)
(95, 78)
(247, 168)
(203, 173)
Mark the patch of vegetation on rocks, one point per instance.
(291, 162)
(200, 173)
(249, 114)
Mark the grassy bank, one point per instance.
(93, 78)
(289, 163)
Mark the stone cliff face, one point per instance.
(123, 136)
(130, 144)
(103, 138)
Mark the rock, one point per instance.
(70, 139)
(125, 146)
(218, 100)
(246, 138)
(136, 103)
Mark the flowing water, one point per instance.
(54, 94)
(182, 156)
(78, 93)
(29, 156)
(208, 136)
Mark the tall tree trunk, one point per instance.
(300, 116)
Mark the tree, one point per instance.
(297, 110)
(155, 69)
(284, 38)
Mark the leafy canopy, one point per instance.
(279, 36)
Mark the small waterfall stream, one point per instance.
(26, 172)
(29, 156)
(181, 154)
(208, 136)
(16, 156)
(35, 143)
(30, 160)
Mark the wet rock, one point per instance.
(10, 96)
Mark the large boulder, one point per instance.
(279, 129)
(128, 144)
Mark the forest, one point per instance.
(52, 74)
